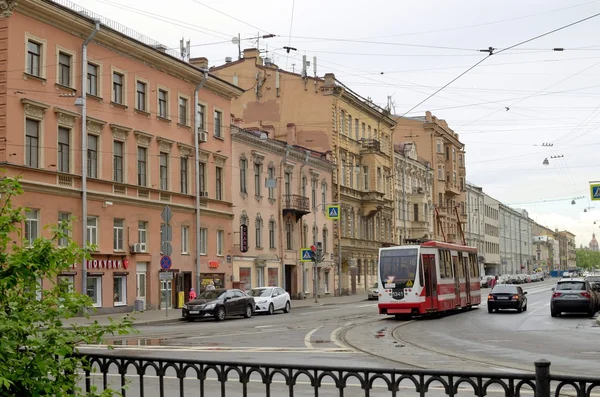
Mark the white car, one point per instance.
(270, 299)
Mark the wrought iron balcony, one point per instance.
(296, 205)
(371, 144)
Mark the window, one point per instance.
(94, 290)
(303, 186)
(343, 170)
(202, 177)
(243, 168)
(440, 172)
(258, 236)
(163, 97)
(218, 183)
(356, 129)
(63, 219)
(325, 235)
(289, 235)
(118, 80)
(416, 212)
(92, 79)
(201, 118)
(272, 234)
(288, 181)
(203, 241)
(351, 174)
(164, 171)
(183, 111)
(118, 161)
(440, 146)
(260, 276)
(185, 239)
(366, 177)
(64, 135)
(304, 235)
(120, 290)
(32, 140)
(92, 230)
(64, 69)
(218, 124)
(364, 130)
(140, 95)
(220, 242)
(183, 170)
(142, 157)
(271, 174)
(342, 121)
(314, 193)
(257, 186)
(32, 226)
(143, 235)
(118, 234)
(34, 56)
(323, 193)
(92, 156)
(378, 179)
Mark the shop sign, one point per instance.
(107, 264)
(213, 264)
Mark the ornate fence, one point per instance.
(151, 376)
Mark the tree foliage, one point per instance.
(36, 345)
(587, 259)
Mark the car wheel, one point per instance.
(248, 312)
(220, 314)
(525, 308)
(271, 309)
(553, 313)
(490, 310)
(288, 307)
(519, 309)
(591, 313)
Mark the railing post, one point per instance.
(542, 378)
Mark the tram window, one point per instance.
(461, 269)
(421, 271)
(474, 264)
(445, 264)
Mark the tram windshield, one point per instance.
(398, 268)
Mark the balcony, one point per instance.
(452, 189)
(296, 205)
(442, 211)
(370, 145)
(372, 202)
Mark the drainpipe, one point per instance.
(404, 204)
(339, 194)
(197, 169)
(84, 159)
(306, 157)
(281, 198)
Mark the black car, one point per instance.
(507, 296)
(219, 303)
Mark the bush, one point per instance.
(35, 346)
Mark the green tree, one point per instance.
(587, 259)
(35, 346)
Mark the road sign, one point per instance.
(333, 212)
(166, 233)
(306, 255)
(165, 276)
(595, 191)
(166, 248)
(165, 262)
(166, 214)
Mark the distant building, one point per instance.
(594, 243)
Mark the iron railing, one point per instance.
(153, 376)
(296, 202)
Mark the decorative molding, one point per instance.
(243, 156)
(164, 145)
(185, 150)
(314, 175)
(244, 216)
(143, 138)
(219, 159)
(289, 167)
(203, 156)
(94, 126)
(258, 221)
(271, 164)
(33, 108)
(65, 117)
(7, 7)
(120, 132)
(258, 157)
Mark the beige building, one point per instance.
(278, 194)
(567, 249)
(324, 115)
(413, 191)
(441, 146)
(491, 251)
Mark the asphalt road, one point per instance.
(355, 335)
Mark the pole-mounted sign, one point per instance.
(244, 238)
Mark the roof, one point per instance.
(450, 246)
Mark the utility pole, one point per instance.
(520, 248)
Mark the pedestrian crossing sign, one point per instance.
(306, 255)
(595, 191)
(333, 212)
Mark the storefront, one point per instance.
(109, 285)
(251, 273)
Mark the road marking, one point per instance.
(368, 305)
(320, 311)
(236, 349)
(348, 324)
(335, 339)
(308, 336)
(264, 326)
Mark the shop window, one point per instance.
(67, 283)
(120, 291)
(94, 290)
(260, 276)
(273, 276)
(246, 278)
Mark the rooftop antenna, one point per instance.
(237, 40)
(184, 49)
(315, 66)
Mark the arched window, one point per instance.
(272, 233)
(258, 223)
(325, 235)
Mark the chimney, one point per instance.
(200, 62)
(428, 116)
(250, 53)
(329, 79)
(291, 134)
(238, 122)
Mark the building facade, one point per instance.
(278, 195)
(413, 187)
(324, 115)
(440, 146)
(475, 230)
(567, 249)
(491, 253)
(139, 151)
(516, 237)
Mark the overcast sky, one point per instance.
(552, 97)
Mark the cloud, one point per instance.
(582, 228)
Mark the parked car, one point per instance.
(485, 281)
(507, 296)
(373, 292)
(573, 295)
(219, 303)
(270, 299)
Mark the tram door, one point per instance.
(456, 267)
(466, 268)
(429, 271)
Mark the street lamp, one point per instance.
(316, 269)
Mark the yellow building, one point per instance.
(324, 115)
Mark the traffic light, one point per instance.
(319, 253)
(313, 253)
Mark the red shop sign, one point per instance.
(107, 264)
(213, 264)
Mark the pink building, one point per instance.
(140, 156)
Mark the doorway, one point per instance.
(288, 279)
(140, 285)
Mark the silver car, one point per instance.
(572, 295)
(373, 292)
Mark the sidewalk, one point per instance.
(149, 317)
